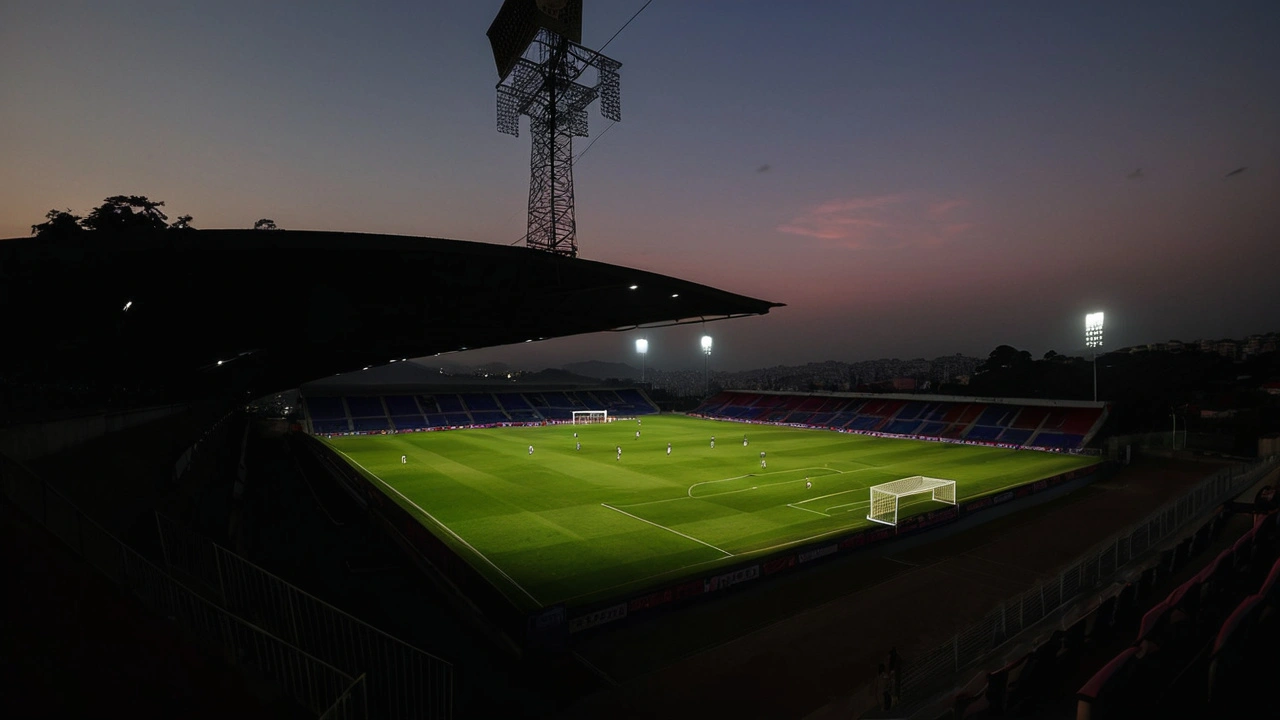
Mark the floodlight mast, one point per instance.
(706, 360)
(535, 45)
(1093, 339)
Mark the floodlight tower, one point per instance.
(642, 347)
(1093, 339)
(706, 360)
(535, 46)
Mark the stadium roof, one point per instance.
(290, 306)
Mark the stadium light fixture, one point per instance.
(633, 287)
(1093, 340)
(675, 295)
(128, 304)
(706, 359)
(642, 347)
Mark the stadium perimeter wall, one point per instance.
(557, 625)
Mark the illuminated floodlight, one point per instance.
(1093, 339)
(219, 362)
(675, 295)
(633, 287)
(706, 366)
(128, 304)
(1093, 330)
(642, 347)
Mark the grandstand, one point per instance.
(353, 414)
(1060, 425)
(1185, 633)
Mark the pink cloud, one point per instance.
(940, 208)
(881, 221)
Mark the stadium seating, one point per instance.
(401, 405)
(325, 408)
(1004, 424)
(1205, 648)
(408, 422)
(372, 424)
(409, 413)
(330, 427)
(450, 404)
(513, 401)
(479, 401)
(362, 406)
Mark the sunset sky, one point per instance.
(910, 178)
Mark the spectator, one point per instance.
(884, 688)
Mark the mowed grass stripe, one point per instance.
(550, 527)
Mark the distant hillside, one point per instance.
(603, 370)
(552, 376)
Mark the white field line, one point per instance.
(824, 497)
(664, 527)
(853, 505)
(824, 470)
(748, 553)
(807, 510)
(448, 530)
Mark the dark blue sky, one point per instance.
(941, 177)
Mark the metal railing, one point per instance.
(924, 675)
(402, 681)
(314, 684)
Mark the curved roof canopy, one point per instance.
(298, 305)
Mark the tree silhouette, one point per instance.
(182, 223)
(265, 224)
(127, 213)
(57, 222)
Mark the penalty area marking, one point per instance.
(815, 512)
(811, 470)
(664, 527)
(446, 529)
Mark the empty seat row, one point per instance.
(1005, 425)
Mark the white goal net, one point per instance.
(885, 498)
(585, 417)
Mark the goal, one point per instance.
(584, 417)
(885, 498)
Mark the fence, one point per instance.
(402, 681)
(315, 685)
(924, 675)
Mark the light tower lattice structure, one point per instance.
(541, 65)
(1093, 341)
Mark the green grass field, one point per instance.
(572, 526)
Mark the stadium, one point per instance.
(236, 480)
(406, 542)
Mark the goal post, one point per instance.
(586, 417)
(886, 497)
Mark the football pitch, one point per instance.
(563, 525)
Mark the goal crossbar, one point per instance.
(885, 498)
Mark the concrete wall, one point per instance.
(27, 442)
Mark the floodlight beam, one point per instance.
(642, 347)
